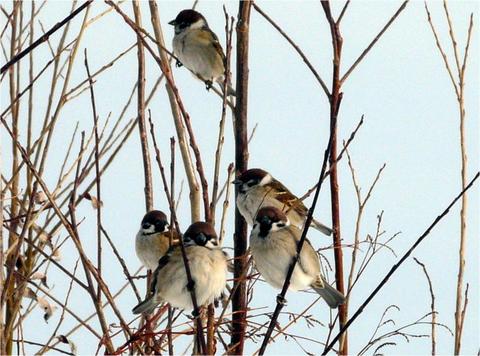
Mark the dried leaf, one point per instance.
(43, 237)
(96, 203)
(94, 200)
(41, 276)
(47, 308)
(63, 339)
(57, 256)
(37, 275)
(40, 198)
(29, 293)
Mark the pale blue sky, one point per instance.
(411, 124)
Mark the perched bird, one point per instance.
(197, 48)
(273, 244)
(208, 266)
(257, 188)
(152, 240)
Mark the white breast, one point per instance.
(272, 261)
(209, 271)
(145, 253)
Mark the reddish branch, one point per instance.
(239, 300)
(286, 284)
(335, 99)
(398, 264)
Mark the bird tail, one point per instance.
(332, 296)
(230, 90)
(321, 227)
(146, 307)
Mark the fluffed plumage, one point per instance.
(197, 48)
(257, 188)
(273, 244)
(153, 239)
(208, 266)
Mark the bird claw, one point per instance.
(281, 300)
(195, 313)
(178, 64)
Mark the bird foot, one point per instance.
(208, 84)
(281, 300)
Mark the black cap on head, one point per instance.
(271, 214)
(156, 218)
(200, 232)
(256, 174)
(268, 216)
(187, 17)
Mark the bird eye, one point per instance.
(251, 183)
(264, 220)
(146, 225)
(201, 239)
(280, 224)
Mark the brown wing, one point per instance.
(289, 199)
(175, 236)
(208, 37)
(218, 46)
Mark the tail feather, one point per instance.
(230, 90)
(146, 307)
(321, 227)
(332, 296)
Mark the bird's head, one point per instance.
(251, 179)
(154, 222)
(201, 234)
(270, 219)
(188, 20)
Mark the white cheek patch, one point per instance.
(150, 230)
(265, 180)
(211, 244)
(197, 25)
(279, 225)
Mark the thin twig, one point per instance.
(43, 38)
(297, 49)
(370, 46)
(432, 306)
(399, 263)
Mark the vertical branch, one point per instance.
(14, 206)
(179, 127)
(335, 99)
(97, 175)
(239, 300)
(459, 92)
(221, 125)
(432, 307)
(147, 169)
(2, 262)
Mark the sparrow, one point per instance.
(197, 47)
(208, 267)
(153, 238)
(273, 244)
(257, 188)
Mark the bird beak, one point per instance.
(173, 23)
(237, 182)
